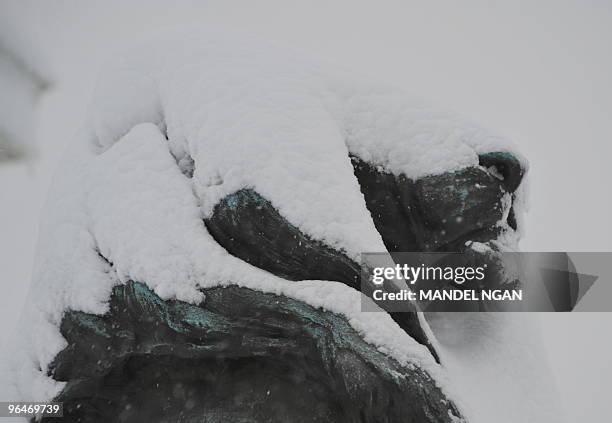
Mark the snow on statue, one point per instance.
(199, 254)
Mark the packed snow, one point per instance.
(179, 123)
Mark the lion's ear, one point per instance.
(249, 227)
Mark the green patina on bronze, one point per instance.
(247, 356)
(249, 227)
(241, 355)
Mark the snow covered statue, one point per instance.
(199, 258)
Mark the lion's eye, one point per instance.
(250, 228)
(507, 166)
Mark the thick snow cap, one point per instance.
(181, 122)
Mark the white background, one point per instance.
(537, 72)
